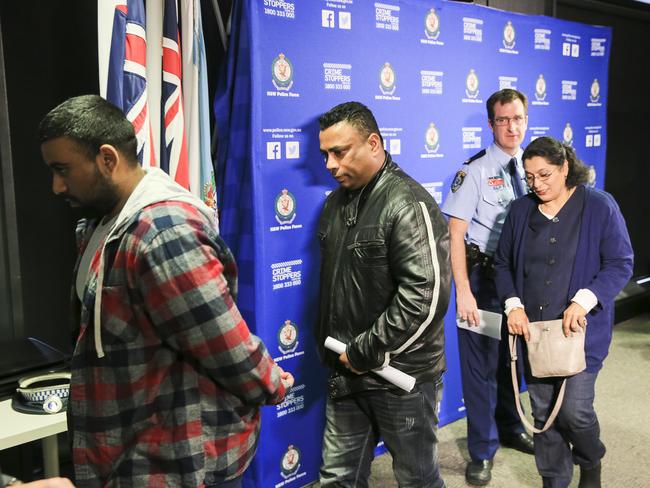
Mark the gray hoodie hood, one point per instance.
(155, 187)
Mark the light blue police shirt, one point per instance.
(481, 194)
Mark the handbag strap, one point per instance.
(515, 385)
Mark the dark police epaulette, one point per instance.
(478, 155)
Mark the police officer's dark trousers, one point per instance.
(485, 373)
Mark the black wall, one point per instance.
(628, 112)
(50, 54)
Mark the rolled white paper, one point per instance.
(394, 376)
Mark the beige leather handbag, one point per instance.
(550, 354)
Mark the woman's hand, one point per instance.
(518, 323)
(573, 319)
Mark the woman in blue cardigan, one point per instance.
(564, 253)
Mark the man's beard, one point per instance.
(104, 200)
(87, 213)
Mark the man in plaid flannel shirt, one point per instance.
(167, 380)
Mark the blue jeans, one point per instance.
(574, 437)
(408, 424)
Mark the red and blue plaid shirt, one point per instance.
(175, 400)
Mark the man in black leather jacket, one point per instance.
(385, 284)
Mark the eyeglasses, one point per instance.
(502, 121)
(530, 179)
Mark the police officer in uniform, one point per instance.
(477, 206)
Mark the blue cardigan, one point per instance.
(603, 263)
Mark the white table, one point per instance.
(19, 428)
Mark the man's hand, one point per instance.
(466, 308)
(49, 483)
(573, 319)
(286, 378)
(518, 323)
(344, 359)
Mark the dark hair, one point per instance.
(90, 121)
(356, 114)
(507, 95)
(556, 153)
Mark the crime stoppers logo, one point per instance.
(286, 274)
(386, 16)
(509, 36)
(282, 70)
(431, 82)
(471, 85)
(569, 89)
(337, 76)
(431, 139)
(288, 337)
(472, 137)
(280, 8)
(432, 25)
(508, 82)
(598, 46)
(387, 79)
(540, 89)
(472, 29)
(543, 39)
(290, 462)
(594, 92)
(567, 134)
(285, 207)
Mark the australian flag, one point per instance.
(173, 157)
(127, 82)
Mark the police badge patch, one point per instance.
(458, 180)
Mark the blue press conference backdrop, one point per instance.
(425, 68)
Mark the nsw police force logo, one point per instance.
(471, 84)
(540, 88)
(282, 70)
(290, 462)
(288, 337)
(509, 36)
(387, 79)
(594, 92)
(432, 25)
(431, 139)
(285, 207)
(567, 134)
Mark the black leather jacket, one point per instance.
(385, 280)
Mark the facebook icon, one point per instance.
(328, 19)
(273, 150)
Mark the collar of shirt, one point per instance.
(502, 157)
